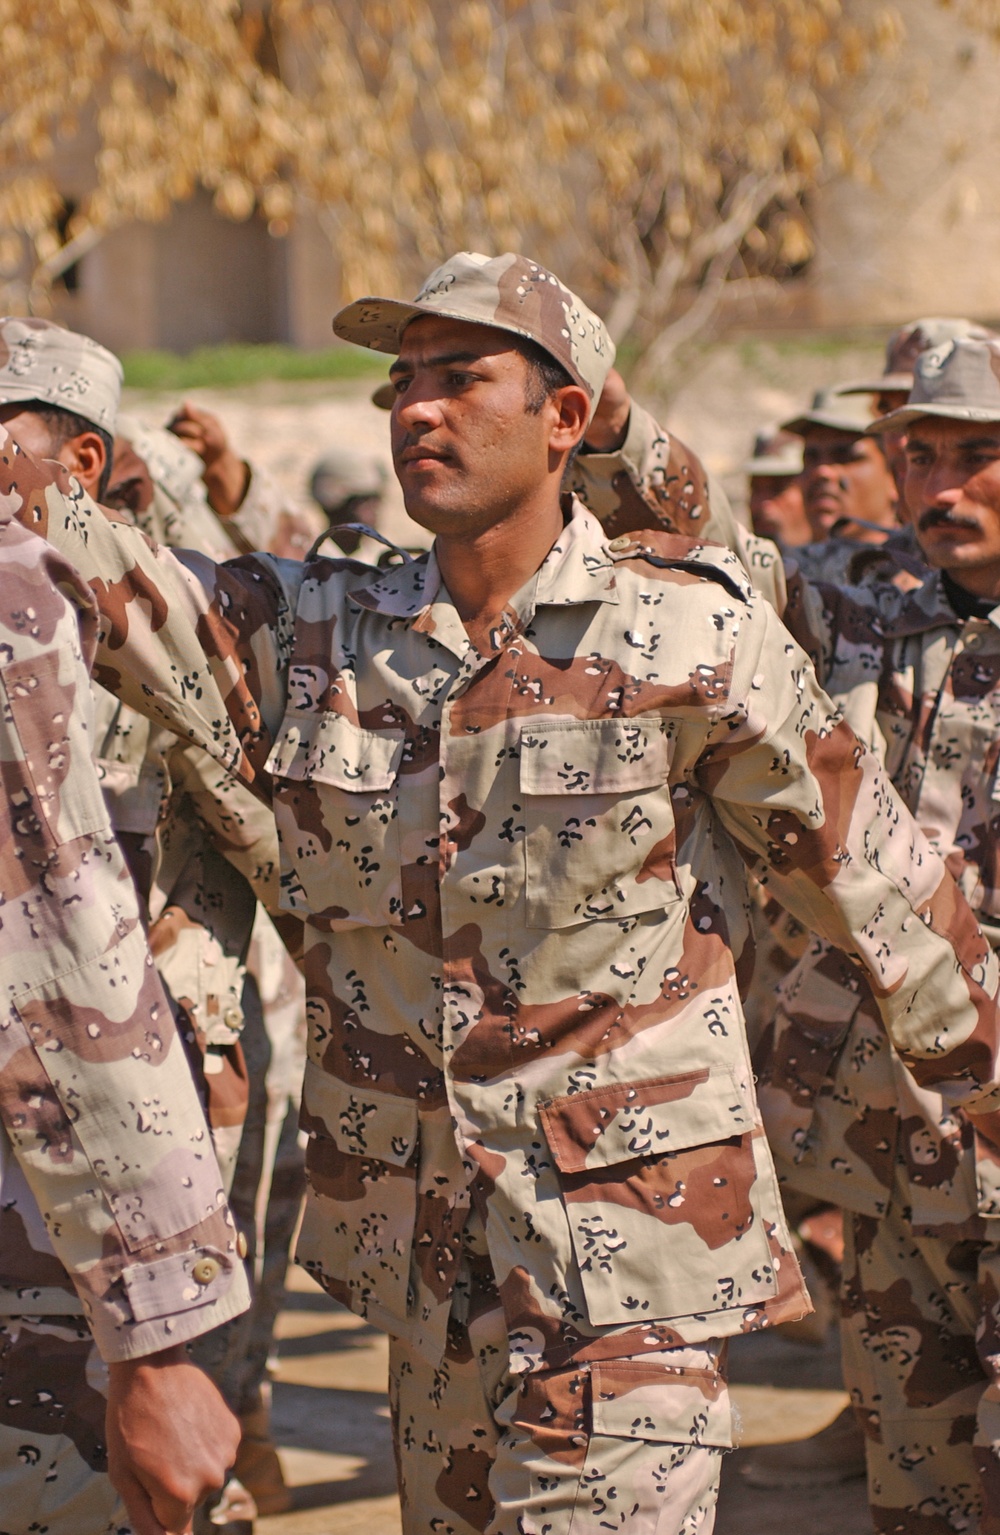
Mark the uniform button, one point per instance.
(621, 542)
(206, 1269)
(241, 1244)
(974, 641)
(233, 1016)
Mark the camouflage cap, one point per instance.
(833, 409)
(343, 474)
(42, 361)
(775, 453)
(959, 380)
(908, 343)
(508, 292)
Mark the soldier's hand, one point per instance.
(606, 432)
(171, 1439)
(203, 432)
(226, 475)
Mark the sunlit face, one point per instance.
(777, 510)
(953, 494)
(466, 449)
(845, 476)
(83, 456)
(28, 430)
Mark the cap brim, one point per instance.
(801, 424)
(377, 323)
(897, 419)
(889, 381)
(773, 466)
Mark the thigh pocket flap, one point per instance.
(657, 1180)
(669, 1404)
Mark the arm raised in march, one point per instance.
(632, 474)
(821, 826)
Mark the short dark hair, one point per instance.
(545, 375)
(64, 425)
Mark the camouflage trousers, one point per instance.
(624, 1444)
(53, 1464)
(921, 1351)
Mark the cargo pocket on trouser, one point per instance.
(657, 1178)
(623, 1444)
(361, 1165)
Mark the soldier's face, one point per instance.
(466, 450)
(83, 456)
(953, 493)
(845, 477)
(28, 430)
(776, 509)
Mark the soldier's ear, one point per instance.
(571, 409)
(86, 457)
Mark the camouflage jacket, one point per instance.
(923, 687)
(107, 1177)
(521, 875)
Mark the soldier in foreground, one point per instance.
(919, 673)
(518, 781)
(116, 1245)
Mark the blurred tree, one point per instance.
(658, 153)
(171, 93)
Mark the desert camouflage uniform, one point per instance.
(522, 974)
(199, 891)
(206, 849)
(111, 1202)
(846, 1118)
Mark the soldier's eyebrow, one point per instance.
(442, 360)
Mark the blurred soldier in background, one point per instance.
(849, 493)
(918, 675)
(348, 488)
(775, 490)
(890, 391)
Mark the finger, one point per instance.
(138, 1504)
(173, 1513)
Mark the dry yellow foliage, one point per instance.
(656, 152)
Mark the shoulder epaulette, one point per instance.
(673, 551)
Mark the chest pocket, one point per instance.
(599, 827)
(336, 789)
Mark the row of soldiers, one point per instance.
(903, 641)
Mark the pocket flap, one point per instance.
(362, 1124)
(627, 1120)
(633, 1399)
(329, 748)
(593, 756)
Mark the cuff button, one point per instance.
(206, 1269)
